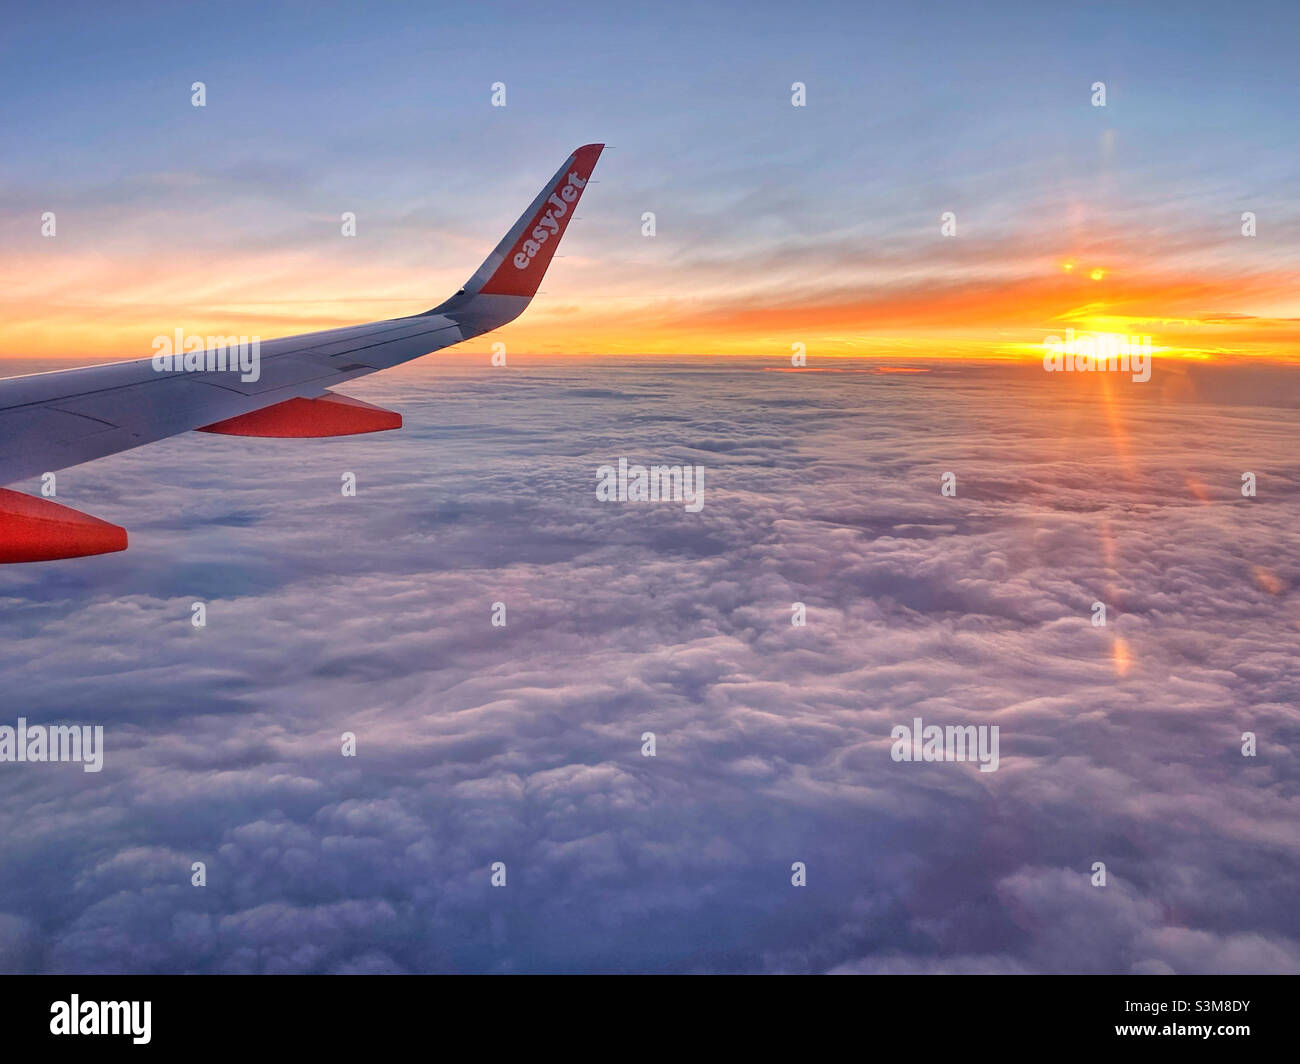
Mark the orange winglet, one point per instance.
(329, 415)
(37, 530)
(521, 271)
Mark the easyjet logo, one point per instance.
(548, 225)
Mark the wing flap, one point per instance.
(37, 530)
(326, 415)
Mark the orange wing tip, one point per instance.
(520, 272)
(37, 530)
(329, 415)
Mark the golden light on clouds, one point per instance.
(1120, 657)
(1268, 580)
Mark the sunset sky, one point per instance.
(329, 612)
(775, 224)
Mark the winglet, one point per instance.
(517, 264)
(528, 247)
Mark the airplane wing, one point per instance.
(49, 421)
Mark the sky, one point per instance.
(371, 615)
(774, 224)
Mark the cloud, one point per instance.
(523, 744)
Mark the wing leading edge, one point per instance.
(49, 421)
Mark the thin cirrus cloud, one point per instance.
(1004, 296)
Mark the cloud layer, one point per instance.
(523, 744)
